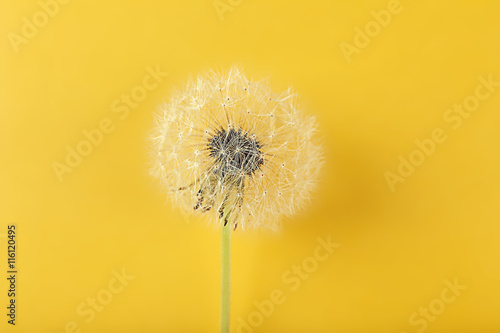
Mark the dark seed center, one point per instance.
(235, 152)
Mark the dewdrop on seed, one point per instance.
(230, 148)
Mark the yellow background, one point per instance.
(397, 248)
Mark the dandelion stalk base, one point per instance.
(226, 277)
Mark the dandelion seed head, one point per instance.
(227, 146)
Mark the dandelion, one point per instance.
(230, 148)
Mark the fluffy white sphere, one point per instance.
(231, 147)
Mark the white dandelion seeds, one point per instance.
(229, 146)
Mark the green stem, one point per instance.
(226, 276)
